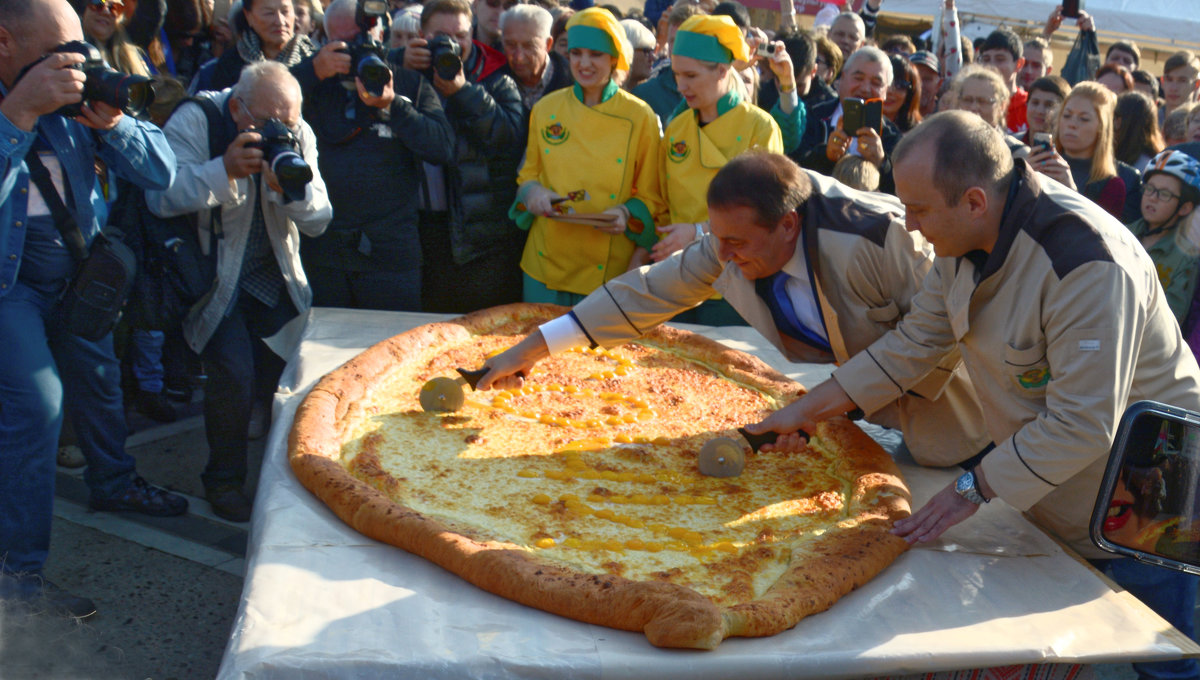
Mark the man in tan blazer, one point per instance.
(821, 270)
(1061, 322)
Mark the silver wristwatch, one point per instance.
(968, 488)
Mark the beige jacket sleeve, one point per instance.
(903, 357)
(638, 300)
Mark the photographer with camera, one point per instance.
(267, 192)
(470, 248)
(51, 209)
(376, 123)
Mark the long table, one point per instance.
(322, 601)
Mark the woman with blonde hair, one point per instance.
(714, 123)
(1084, 158)
(104, 24)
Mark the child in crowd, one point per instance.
(1170, 192)
(855, 171)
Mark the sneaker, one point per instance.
(178, 390)
(155, 406)
(70, 456)
(229, 502)
(143, 497)
(45, 597)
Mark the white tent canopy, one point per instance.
(1164, 21)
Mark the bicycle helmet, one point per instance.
(1180, 166)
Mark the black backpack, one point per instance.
(173, 272)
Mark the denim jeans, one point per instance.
(44, 370)
(146, 351)
(1172, 595)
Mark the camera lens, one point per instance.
(374, 74)
(132, 94)
(293, 174)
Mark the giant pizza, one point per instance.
(579, 493)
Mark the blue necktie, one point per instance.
(773, 290)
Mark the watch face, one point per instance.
(965, 483)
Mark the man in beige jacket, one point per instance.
(821, 270)
(1061, 322)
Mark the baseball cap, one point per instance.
(924, 58)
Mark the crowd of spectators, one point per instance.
(531, 152)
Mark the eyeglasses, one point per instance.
(1159, 194)
(113, 7)
(902, 85)
(976, 101)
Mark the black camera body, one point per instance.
(368, 56)
(368, 61)
(281, 151)
(131, 94)
(446, 56)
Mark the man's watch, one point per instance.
(968, 487)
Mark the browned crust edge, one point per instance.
(670, 615)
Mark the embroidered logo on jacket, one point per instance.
(555, 134)
(678, 152)
(1034, 378)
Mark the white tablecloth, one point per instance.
(323, 601)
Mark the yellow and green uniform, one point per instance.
(693, 153)
(610, 150)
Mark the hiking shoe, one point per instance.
(47, 598)
(155, 406)
(229, 502)
(143, 497)
(70, 456)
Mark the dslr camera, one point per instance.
(446, 56)
(281, 151)
(131, 94)
(368, 56)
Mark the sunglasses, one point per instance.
(113, 7)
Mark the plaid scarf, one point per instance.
(249, 46)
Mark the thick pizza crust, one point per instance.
(670, 615)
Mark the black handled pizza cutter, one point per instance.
(445, 394)
(726, 457)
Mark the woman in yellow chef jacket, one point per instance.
(714, 124)
(595, 146)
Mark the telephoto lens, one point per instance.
(281, 152)
(133, 95)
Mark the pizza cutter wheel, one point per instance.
(443, 394)
(726, 457)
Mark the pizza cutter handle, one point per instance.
(472, 377)
(757, 440)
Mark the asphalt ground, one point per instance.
(167, 589)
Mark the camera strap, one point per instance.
(64, 219)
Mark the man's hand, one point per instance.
(1053, 21)
(671, 239)
(448, 88)
(383, 101)
(508, 369)
(942, 511)
(792, 442)
(1085, 22)
(870, 146)
(242, 160)
(837, 145)
(332, 60)
(417, 55)
(827, 400)
(45, 88)
(100, 116)
(269, 178)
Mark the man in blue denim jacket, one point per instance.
(45, 368)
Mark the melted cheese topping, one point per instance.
(593, 465)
